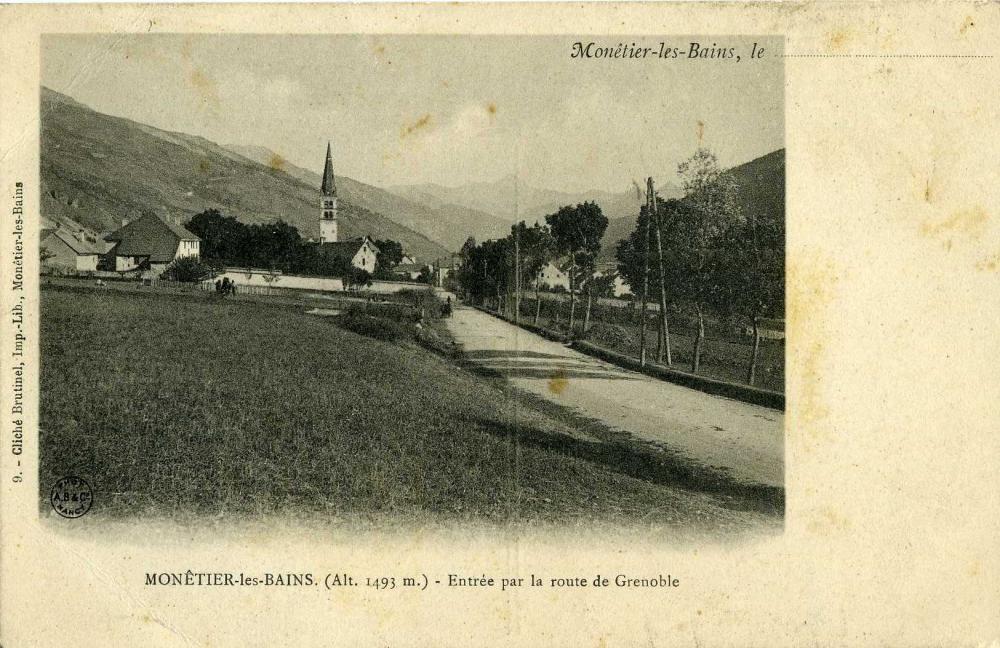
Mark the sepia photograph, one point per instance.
(415, 279)
(499, 324)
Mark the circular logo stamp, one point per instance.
(71, 497)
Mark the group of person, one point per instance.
(225, 286)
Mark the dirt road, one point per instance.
(741, 441)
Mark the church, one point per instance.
(361, 252)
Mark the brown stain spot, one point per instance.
(837, 39)
(966, 25)
(700, 129)
(558, 382)
(973, 569)
(810, 291)
(970, 223)
(206, 87)
(204, 166)
(989, 264)
(827, 521)
(410, 129)
(276, 162)
(491, 108)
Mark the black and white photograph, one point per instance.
(415, 280)
(499, 324)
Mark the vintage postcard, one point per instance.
(500, 324)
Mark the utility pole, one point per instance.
(645, 282)
(517, 273)
(664, 344)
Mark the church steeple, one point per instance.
(329, 187)
(328, 202)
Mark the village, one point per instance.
(153, 247)
(225, 333)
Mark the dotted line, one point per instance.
(885, 56)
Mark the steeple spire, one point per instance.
(329, 188)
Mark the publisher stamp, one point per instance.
(71, 497)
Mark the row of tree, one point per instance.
(498, 270)
(701, 253)
(279, 246)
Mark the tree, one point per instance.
(534, 247)
(577, 231)
(603, 285)
(356, 278)
(390, 255)
(710, 198)
(750, 274)
(223, 238)
(187, 269)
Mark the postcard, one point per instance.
(500, 324)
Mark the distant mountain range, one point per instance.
(508, 197)
(97, 170)
(448, 223)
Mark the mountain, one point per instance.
(507, 196)
(448, 223)
(97, 170)
(760, 186)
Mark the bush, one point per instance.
(186, 269)
(379, 328)
(611, 336)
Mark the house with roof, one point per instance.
(150, 243)
(360, 252)
(70, 251)
(553, 276)
(409, 271)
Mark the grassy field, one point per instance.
(171, 404)
(725, 356)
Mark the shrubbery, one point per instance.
(187, 269)
(379, 328)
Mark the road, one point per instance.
(743, 442)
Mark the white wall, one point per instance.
(260, 278)
(187, 248)
(86, 262)
(330, 284)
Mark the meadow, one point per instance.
(173, 404)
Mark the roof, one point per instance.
(329, 188)
(75, 244)
(150, 236)
(410, 267)
(346, 249)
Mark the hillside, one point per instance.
(97, 170)
(506, 196)
(761, 193)
(448, 223)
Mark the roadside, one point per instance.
(710, 437)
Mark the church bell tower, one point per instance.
(328, 202)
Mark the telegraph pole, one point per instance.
(645, 282)
(664, 343)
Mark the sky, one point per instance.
(448, 110)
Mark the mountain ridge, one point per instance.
(98, 169)
(445, 222)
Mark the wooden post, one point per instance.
(645, 286)
(664, 344)
(517, 275)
